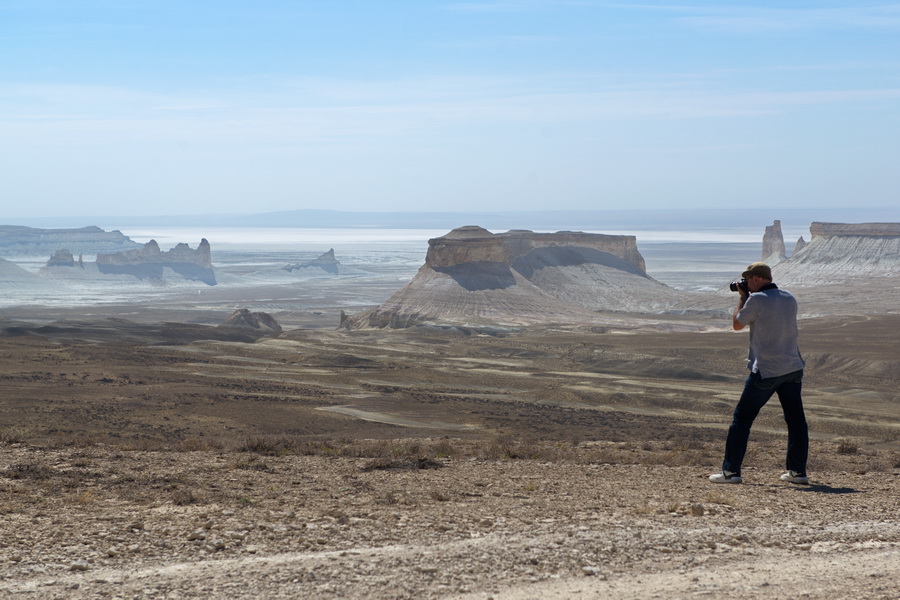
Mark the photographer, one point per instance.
(776, 367)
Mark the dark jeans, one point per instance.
(757, 392)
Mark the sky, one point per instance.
(149, 107)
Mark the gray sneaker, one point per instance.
(725, 478)
(795, 477)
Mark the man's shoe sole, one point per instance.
(796, 480)
(720, 479)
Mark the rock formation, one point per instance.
(773, 251)
(64, 258)
(800, 245)
(472, 276)
(326, 262)
(28, 241)
(255, 321)
(841, 252)
(149, 262)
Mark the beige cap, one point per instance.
(759, 269)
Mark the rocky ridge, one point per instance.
(149, 262)
(18, 240)
(326, 262)
(843, 252)
(243, 318)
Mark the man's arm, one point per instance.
(734, 320)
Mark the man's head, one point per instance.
(757, 275)
(758, 269)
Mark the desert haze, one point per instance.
(495, 415)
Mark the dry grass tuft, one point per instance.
(846, 446)
(717, 497)
(11, 436)
(383, 464)
(269, 445)
(86, 497)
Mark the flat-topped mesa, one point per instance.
(475, 244)
(818, 229)
(472, 276)
(149, 262)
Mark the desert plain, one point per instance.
(146, 452)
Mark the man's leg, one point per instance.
(789, 393)
(757, 392)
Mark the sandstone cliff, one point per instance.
(473, 276)
(840, 252)
(149, 262)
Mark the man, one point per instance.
(776, 367)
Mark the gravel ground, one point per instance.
(600, 520)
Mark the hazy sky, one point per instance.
(131, 107)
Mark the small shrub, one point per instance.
(389, 498)
(184, 497)
(876, 465)
(268, 445)
(194, 444)
(514, 448)
(251, 463)
(444, 449)
(440, 496)
(847, 447)
(29, 471)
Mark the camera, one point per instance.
(739, 285)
